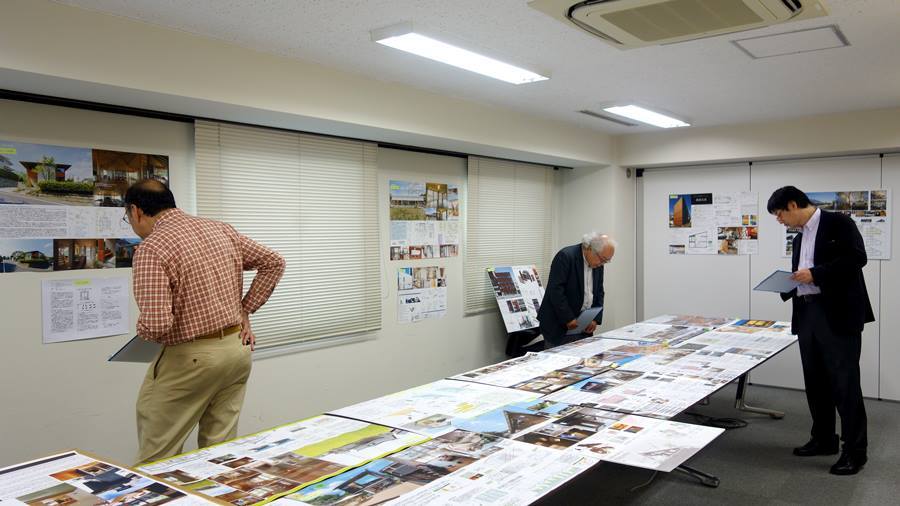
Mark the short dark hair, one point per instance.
(150, 196)
(780, 198)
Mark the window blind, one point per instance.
(510, 218)
(314, 200)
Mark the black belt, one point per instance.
(810, 297)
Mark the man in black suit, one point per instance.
(575, 284)
(830, 308)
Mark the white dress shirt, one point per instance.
(588, 284)
(808, 252)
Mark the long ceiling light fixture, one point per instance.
(643, 115)
(403, 37)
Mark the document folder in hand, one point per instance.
(584, 319)
(778, 281)
(136, 350)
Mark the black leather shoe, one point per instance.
(817, 447)
(849, 463)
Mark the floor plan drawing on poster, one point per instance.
(713, 223)
(421, 293)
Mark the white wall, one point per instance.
(722, 286)
(66, 395)
(889, 338)
(602, 199)
(831, 174)
(831, 134)
(709, 285)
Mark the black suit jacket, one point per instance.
(564, 295)
(838, 260)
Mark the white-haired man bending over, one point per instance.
(575, 284)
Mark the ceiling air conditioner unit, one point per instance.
(628, 24)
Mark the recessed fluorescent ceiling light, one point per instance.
(646, 116)
(432, 49)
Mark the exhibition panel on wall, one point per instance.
(723, 284)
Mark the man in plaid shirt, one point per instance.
(188, 284)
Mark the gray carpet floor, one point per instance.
(754, 464)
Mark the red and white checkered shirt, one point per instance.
(188, 277)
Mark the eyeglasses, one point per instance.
(125, 218)
(603, 260)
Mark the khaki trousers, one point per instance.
(201, 381)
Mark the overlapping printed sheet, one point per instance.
(429, 409)
(391, 476)
(513, 454)
(662, 379)
(495, 439)
(75, 479)
(615, 437)
(537, 372)
(263, 466)
(459, 467)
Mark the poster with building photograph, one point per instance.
(388, 478)
(519, 293)
(713, 223)
(424, 220)
(62, 208)
(76, 479)
(263, 466)
(421, 293)
(869, 209)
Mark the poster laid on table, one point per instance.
(263, 466)
(519, 293)
(869, 209)
(62, 208)
(76, 479)
(713, 223)
(424, 220)
(421, 293)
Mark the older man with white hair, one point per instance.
(575, 284)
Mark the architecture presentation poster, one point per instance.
(61, 207)
(421, 293)
(424, 220)
(870, 209)
(519, 293)
(713, 223)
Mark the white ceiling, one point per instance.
(708, 81)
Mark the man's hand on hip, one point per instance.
(247, 336)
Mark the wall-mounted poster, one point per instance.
(870, 209)
(421, 293)
(62, 208)
(74, 309)
(424, 220)
(519, 293)
(713, 223)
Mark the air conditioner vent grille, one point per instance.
(678, 18)
(792, 5)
